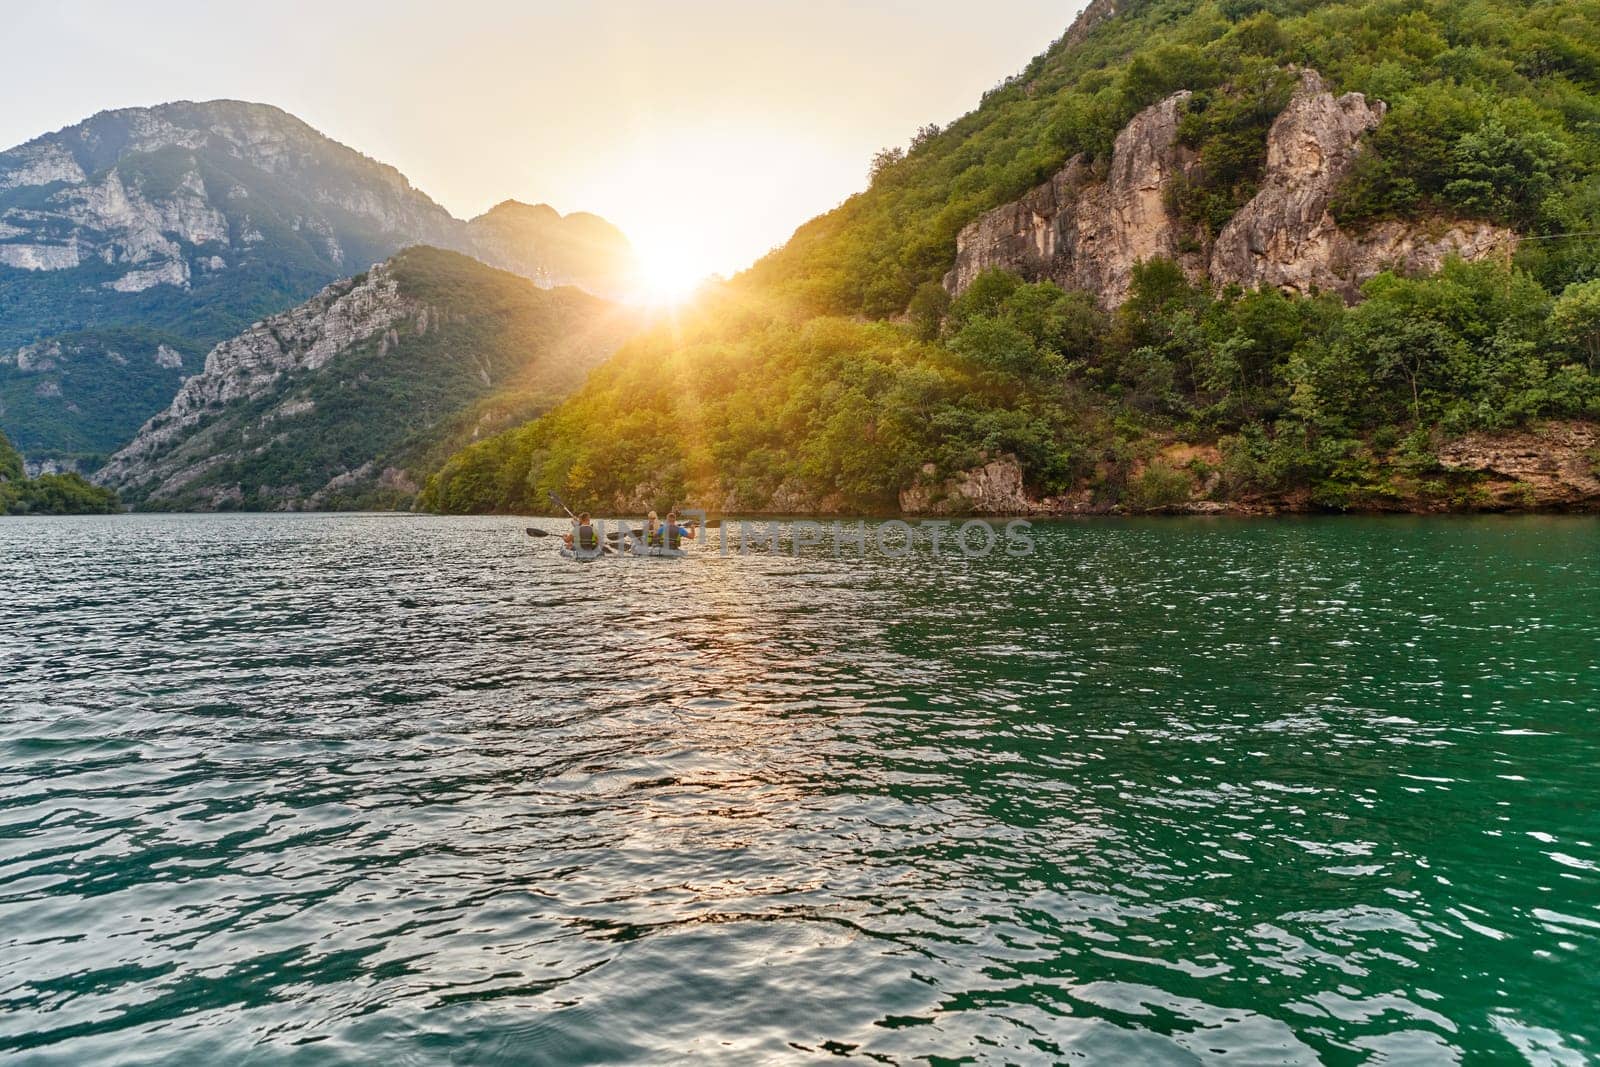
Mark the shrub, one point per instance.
(1157, 486)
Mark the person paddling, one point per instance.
(669, 533)
(582, 538)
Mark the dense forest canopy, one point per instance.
(837, 367)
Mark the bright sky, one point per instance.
(707, 129)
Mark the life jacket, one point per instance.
(586, 539)
(664, 533)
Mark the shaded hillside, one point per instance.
(1065, 285)
(353, 397)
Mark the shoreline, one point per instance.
(1197, 509)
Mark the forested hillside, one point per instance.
(839, 372)
(48, 494)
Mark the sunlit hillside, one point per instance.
(838, 373)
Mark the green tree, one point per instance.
(994, 344)
(10, 460)
(1504, 173)
(927, 310)
(1575, 320)
(984, 296)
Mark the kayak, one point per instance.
(584, 554)
(657, 551)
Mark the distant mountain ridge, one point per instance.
(538, 242)
(133, 241)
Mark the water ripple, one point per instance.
(365, 787)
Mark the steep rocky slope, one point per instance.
(349, 397)
(1083, 231)
(132, 242)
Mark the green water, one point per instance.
(343, 789)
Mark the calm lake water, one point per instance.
(414, 790)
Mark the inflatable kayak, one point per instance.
(654, 551)
(584, 554)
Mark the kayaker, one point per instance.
(583, 538)
(669, 533)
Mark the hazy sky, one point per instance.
(706, 129)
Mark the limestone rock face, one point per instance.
(248, 366)
(1084, 232)
(145, 187)
(25, 256)
(1418, 248)
(993, 489)
(1552, 466)
(1285, 236)
(1097, 12)
(131, 187)
(172, 272)
(1126, 221)
(40, 467)
(40, 164)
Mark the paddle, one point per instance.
(557, 502)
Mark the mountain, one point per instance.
(353, 397)
(137, 239)
(1199, 254)
(539, 242)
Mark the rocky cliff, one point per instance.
(1097, 12)
(1082, 230)
(348, 397)
(159, 194)
(250, 367)
(1085, 230)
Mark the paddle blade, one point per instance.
(536, 532)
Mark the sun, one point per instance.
(669, 270)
